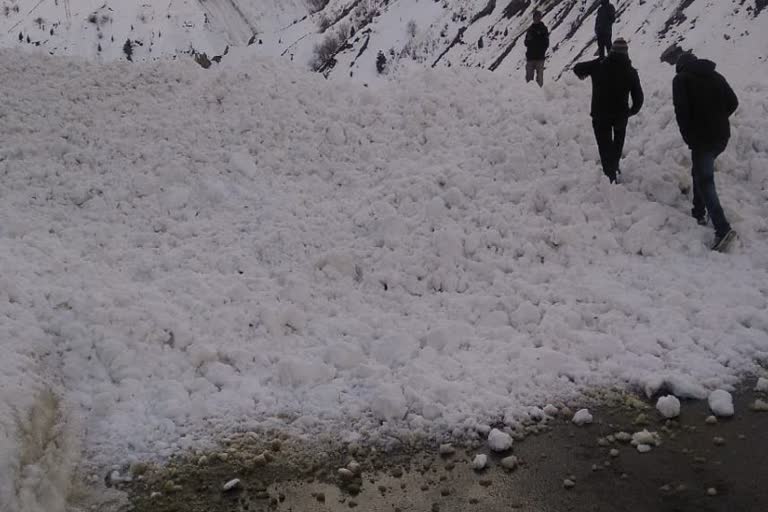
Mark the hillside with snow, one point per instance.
(190, 252)
(485, 34)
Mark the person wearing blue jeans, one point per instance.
(703, 103)
(704, 192)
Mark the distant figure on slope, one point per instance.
(536, 42)
(613, 81)
(703, 103)
(606, 15)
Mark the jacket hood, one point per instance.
(620, 59)
(695, 66)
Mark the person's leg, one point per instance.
(704, 177)
(619, 135)
(540, 73)
(699, 210)
(529, 68)
(603, 136)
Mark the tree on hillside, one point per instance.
(128, 50)
(381, 62)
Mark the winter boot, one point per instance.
(722, 243)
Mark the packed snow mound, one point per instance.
(185, 253)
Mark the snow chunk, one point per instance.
(509, 463)
(582, 417)
(480, 462)
(644, 437)
(762, 385)
(550, 410)
(499, 441)
(644, 448)
(721, 403)
(668, 406)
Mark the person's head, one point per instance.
(605, 2)
(537, 16)
(620, 47)
(684, 60)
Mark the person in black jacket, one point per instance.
(606, 15)
(536, 43)
(703, 103)
(614, 80)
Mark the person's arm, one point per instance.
(682, 108)
(546, 38)
(731, 101)
(528, 37)
(636, 91)
(585, 69)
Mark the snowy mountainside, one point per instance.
(476, 33)
(99, 29)
(489, 33)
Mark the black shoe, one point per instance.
(701, 221)
(722, 243)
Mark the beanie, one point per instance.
(620, 46)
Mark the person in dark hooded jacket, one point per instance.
(703, 103)
(606, 16)
(536, 44)
(614, 80)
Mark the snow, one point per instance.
(721, 403)
(499, 441)
(479, 462)
(189, 253)
(582, 417)
(762, 385)
(646, 440)
(668, 406)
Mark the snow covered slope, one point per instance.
(188, 252)
(99, 29)
(476, 33)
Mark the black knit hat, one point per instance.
(620, 46)
(684, 60)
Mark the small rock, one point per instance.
(623, 437)
(719, 441)
(202, 461)
(603, 442)
(445, 491)
(761, 386)
(711, 420)
(231, 485)
(712, 491)
(568, 483)
(509, 463)
(396, 472)
(435, 507)
(354, 467)
(582, 417)
(550, 410)
(352, 503)
(642, 419)
(345, 474)
(446, 450)
(485, 482)
(759, 406)
(480, 462)
(614, 452)
(154, 495)
(499, 441)
(260, 460)
(320, 497)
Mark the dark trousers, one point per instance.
(604, 43)
(704, 192)
(610, 135)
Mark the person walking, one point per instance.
(606, 16)
(614, 80)
(703, 102)
(536, 44)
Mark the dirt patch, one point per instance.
(699, 466)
